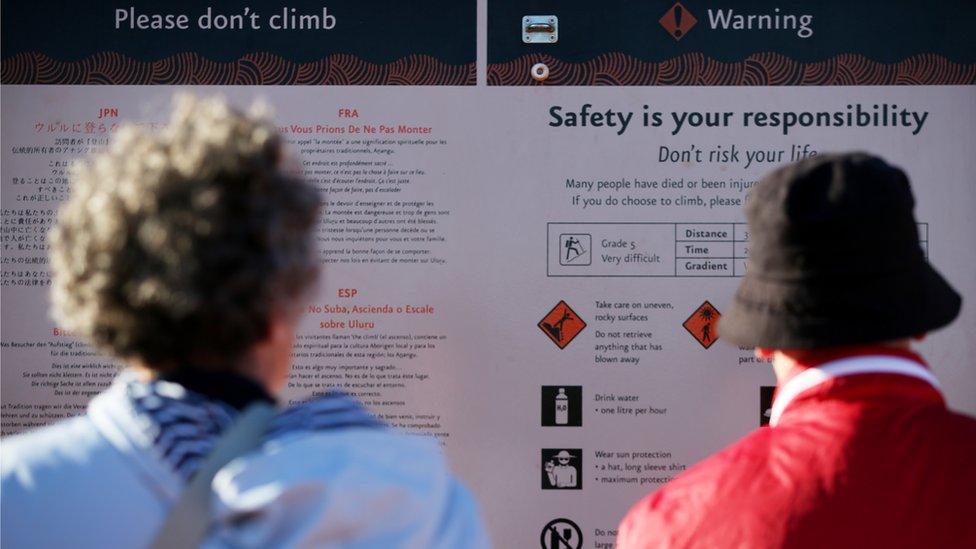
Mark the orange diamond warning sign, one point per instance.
(701, 324)
(677, 21)
(562, 324)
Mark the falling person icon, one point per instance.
(556, 329)
(561, 324)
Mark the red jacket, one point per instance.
(861, 452)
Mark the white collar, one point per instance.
(878, 364)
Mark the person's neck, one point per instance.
(237, 388)
(253, 367)
(232, 388)
(787, 363)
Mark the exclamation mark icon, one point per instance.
(677, 21)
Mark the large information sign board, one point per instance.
(529, 268)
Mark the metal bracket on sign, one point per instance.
(540, 29)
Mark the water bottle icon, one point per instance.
(562, 407)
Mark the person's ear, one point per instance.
(763, 353)
(280, 329)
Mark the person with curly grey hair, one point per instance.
(187, 254)
(181, 251)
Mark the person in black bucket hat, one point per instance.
(835, 259)
(861, 450)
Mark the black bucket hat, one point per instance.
(835, 259)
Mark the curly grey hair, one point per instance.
(175, 249)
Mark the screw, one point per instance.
(539, 72)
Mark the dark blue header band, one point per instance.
(731, 30)
(334, 41)
(735, 42)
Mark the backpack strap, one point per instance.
(191, 515)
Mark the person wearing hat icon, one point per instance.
(861, 450)
(563, 475)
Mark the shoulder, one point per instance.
(56, 458)
(364, 486)
(706, 503)
(54, 476)
(961, 427)
(339, 452)
(347, 443)
(59, 446)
